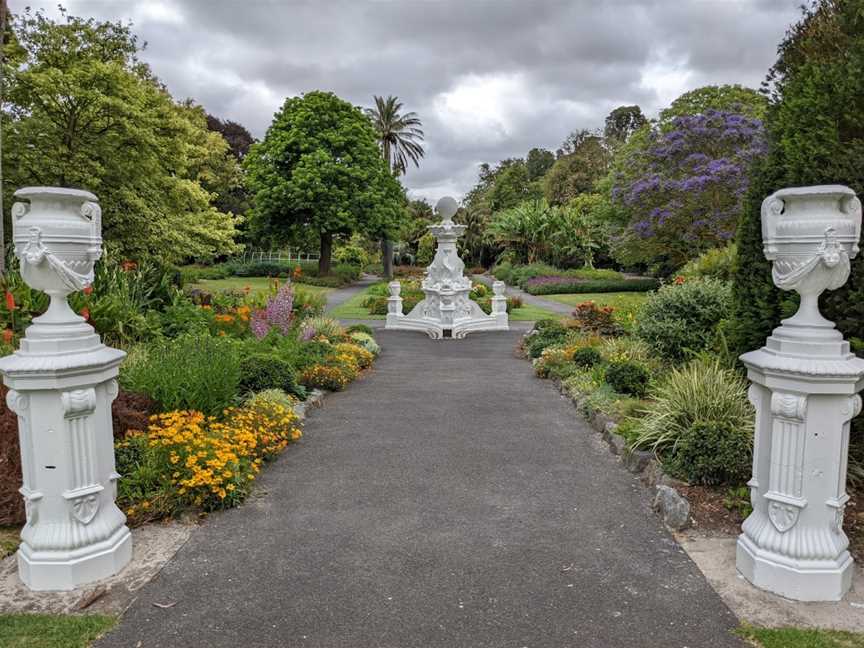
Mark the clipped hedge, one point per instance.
(565, 285)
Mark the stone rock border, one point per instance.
(669, 502)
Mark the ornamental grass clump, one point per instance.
(192, 372)
(700, 423)
(366, 341)
(186, 459)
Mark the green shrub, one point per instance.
(361, 328)
(718, 263)
(627, 378)
(259, 372)
(545, 338)
(704, 395)
(351, 254)
(191, 372)
(678, 321)
(712, 453)
(587, 357)
(539, 325)
(425, 249)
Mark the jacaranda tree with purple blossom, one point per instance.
(683, 190)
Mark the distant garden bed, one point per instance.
(372, 303)
(543, 279)
(304, 272)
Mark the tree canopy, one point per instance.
(80, 110)
(815, 129)
(319, 167)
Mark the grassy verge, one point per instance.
(256, 284)
(626, 304)
(353, 309)
(798, 638)
(52, 631)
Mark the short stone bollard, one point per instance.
(61, 383)
(804, 388)
(394, 301)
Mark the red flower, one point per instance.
(88, 290)
(678, 280)
(10, 301)
(85, 313)
(8, 335)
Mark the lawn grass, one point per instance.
(800, 638)
(626, 304)
(52, 631)
(353, 309)
(257, 284)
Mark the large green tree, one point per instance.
(400, 135)
(80, 110)
(621, 123)
(319, 168)
(576, 172)
(815, 127)
(726, 98)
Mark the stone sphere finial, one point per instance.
(447, 207)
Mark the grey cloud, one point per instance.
(548, 66)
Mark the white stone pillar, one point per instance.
(394, 302)
(61, 384)
(499, 300)
(804, 388)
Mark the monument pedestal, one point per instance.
(447, 310)
(805, 386)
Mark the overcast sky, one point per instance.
(489, 79)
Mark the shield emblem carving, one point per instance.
(84, 508)
(783, 516)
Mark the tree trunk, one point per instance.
(326, 250)
(387, 258)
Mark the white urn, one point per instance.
(810, 234)
(61, 384)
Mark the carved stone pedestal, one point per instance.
(61, 384)
(804, 388)
(447, 310)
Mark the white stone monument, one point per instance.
(804, 388)
(447, 310)
(61, 384)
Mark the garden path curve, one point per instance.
(528, 298)
(448, 499)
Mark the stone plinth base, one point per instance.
(66, 570)
(827, 580)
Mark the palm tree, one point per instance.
(399, 135)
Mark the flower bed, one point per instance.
(557, 285)
(208, 390)
(543, 279)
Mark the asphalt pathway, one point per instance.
(448, 499)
